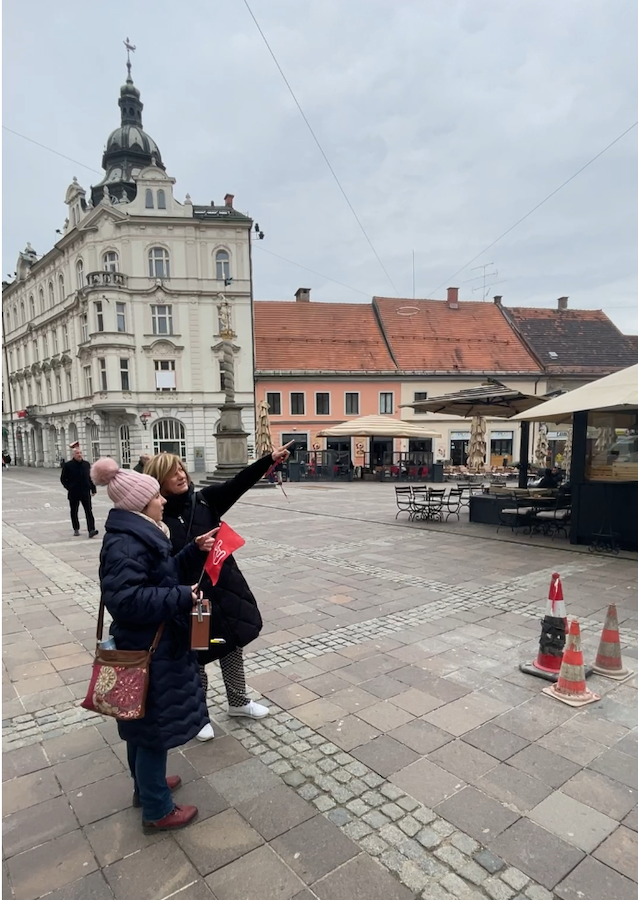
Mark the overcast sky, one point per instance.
(445, 120)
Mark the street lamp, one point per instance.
(144, 417)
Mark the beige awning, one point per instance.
(379, 426)
(613, 393)
(492, 400)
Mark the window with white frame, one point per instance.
(162, 318)
(49, 391)
(222, 265)
(420, 395)
(23, 316)
(61, 287)
(165, 375)
(125, 375)
(161, 199)
(104, 386)
(51, 295)
(169, 436)
(322, 403)
(41, 299)
(36, 354)
(79, 274)
(88, 381)
(111, 261)
(352, 403)
(386, 403)
(58, 388)
(45, 345)
(297, 403)
(95, 442)
(273, 400)
(99, 315)
(40, 394)
(159, 265)
(149, 199)
(84, 327)
(65, 336)
(120, 315)
(56, 346)
(31, 307)
(69, 386)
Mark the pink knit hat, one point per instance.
(127, 489)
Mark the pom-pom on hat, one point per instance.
(127, 489)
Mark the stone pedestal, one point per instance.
(232, 445)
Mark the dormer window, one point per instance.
(161, 199)
(149, 199)
(552, 354)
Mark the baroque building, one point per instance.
(112, 337)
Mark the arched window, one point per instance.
(41, 300)
(169, 436)
(51, 295)
(61, 287)
(22, 313)
(16, 321)
(111, 261)
(149, 199)
(161, 199)
(222, 265)
(159, 263)
(79, 274)
(31, 306)
(125, 446)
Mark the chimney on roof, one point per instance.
(562, 303)
(228, 200)
(302, 295)
(452, 298)
(498, 299)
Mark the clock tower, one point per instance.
(129, 149)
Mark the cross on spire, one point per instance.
(129, 47)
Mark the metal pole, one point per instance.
(524, 455)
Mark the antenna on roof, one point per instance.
(486, 286)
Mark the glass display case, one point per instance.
(612, 447)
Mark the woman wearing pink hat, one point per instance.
(141, 588)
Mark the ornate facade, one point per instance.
(113, 337)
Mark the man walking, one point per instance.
(76, 478)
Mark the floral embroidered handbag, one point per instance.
(119, 681)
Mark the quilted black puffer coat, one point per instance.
(142, 586)
(235, 615)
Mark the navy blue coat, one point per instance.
(235, 614)
(140, 582)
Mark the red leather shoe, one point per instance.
(179, 817)
(173, 782)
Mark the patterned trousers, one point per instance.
(232, 667)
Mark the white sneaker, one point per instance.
(252, 710)
(206, 734)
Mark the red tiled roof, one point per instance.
(473, 338)
(311, 337)
(584, 341)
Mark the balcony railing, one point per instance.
(103, 279)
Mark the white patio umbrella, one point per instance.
(379, 426)
(542, 446)
(478, 447)
(263, 437)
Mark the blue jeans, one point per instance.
(148, 768)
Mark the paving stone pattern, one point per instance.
(405, 754)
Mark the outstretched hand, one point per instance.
(282, 453)
(206, 541)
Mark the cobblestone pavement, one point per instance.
(405, 756)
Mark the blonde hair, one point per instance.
(163, 465)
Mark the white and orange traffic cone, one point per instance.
(552, 640)
(609, 659)
(571, 687)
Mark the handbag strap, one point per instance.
(100, 629)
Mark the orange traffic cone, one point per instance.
(571, 687)
(552, 641)
(608, 659)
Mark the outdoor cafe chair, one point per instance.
(517, 515)
(420, 502)
(452, 503)
(403, 496)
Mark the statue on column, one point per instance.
(227, 362)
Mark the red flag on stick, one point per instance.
(226, 542)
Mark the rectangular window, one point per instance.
(124, 375)
(56, 346)
(84, 322)
(274, 403)
(65, 337)
(40, 395)
(103, 381)
(386, 403)
(297, 404)
(322, 403)
(36, 354)
(49, 392)
(45, 347)
(420, 395)
(352, 403)
(99, 315)
(162, 317)
(58, 388)
(165, 375)
(69, 386)
(88, 381)
(120, 312)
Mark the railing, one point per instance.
(104, 279)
